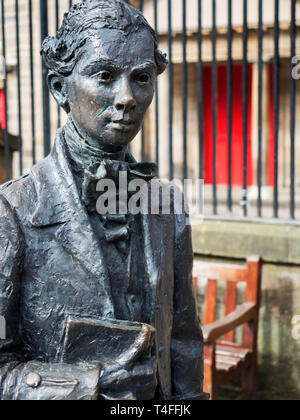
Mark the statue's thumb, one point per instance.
(138, 348)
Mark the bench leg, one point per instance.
(250, 379)
(209, 371)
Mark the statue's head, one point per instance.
(102, 69)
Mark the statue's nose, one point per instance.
(125, 100)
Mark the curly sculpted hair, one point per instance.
(80, 23)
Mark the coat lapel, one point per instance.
(152, 260)
(157, 230)
(59, 204)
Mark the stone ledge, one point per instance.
(276, 243)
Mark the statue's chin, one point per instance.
(114, 143)
(112, 137)
(118, 136)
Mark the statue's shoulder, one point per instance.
(15, 195)
(167, 195)
(23, 184)
(14, 184)
(167, 187)
(21, 191)
(165, 183)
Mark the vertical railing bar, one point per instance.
(143, 143)
(46, 100)
(156, 93)
(57, 27)
(260, 82)
(32, 84)
(184, 89)
(141, 7)
(214, 105)
(171, 92)
(292, 108)
(245, 107)
(200, 90)
(276, 106)
(20, 145)
(7, 152)
(229, 103)
(129, 147)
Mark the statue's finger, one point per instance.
(129, 396)
(139, 347)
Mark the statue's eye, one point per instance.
(143, 78)
(105, 76)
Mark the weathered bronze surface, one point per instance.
(72, 279)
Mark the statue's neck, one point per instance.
(86, 151)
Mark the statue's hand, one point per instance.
(133, 375)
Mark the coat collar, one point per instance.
(57, 195)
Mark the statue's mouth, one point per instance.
(123, 125)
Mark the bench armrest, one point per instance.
(243, 314)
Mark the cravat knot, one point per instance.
(116, 226)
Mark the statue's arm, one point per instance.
(187, 342)
(31, 380)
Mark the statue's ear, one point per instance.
(56, 84)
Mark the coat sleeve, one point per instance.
(187, 340)
(30, 380)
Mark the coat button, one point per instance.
(133, 299)
(33, 380)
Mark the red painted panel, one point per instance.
(2, 110)
(237, 130)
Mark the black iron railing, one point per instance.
(222, 198)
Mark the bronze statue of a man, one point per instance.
(69, 274)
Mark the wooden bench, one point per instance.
(223, 357)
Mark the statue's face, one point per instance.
(112, 85)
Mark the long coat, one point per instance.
(52, 266)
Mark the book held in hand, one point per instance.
(102, 340)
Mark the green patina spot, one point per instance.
(102, 110)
